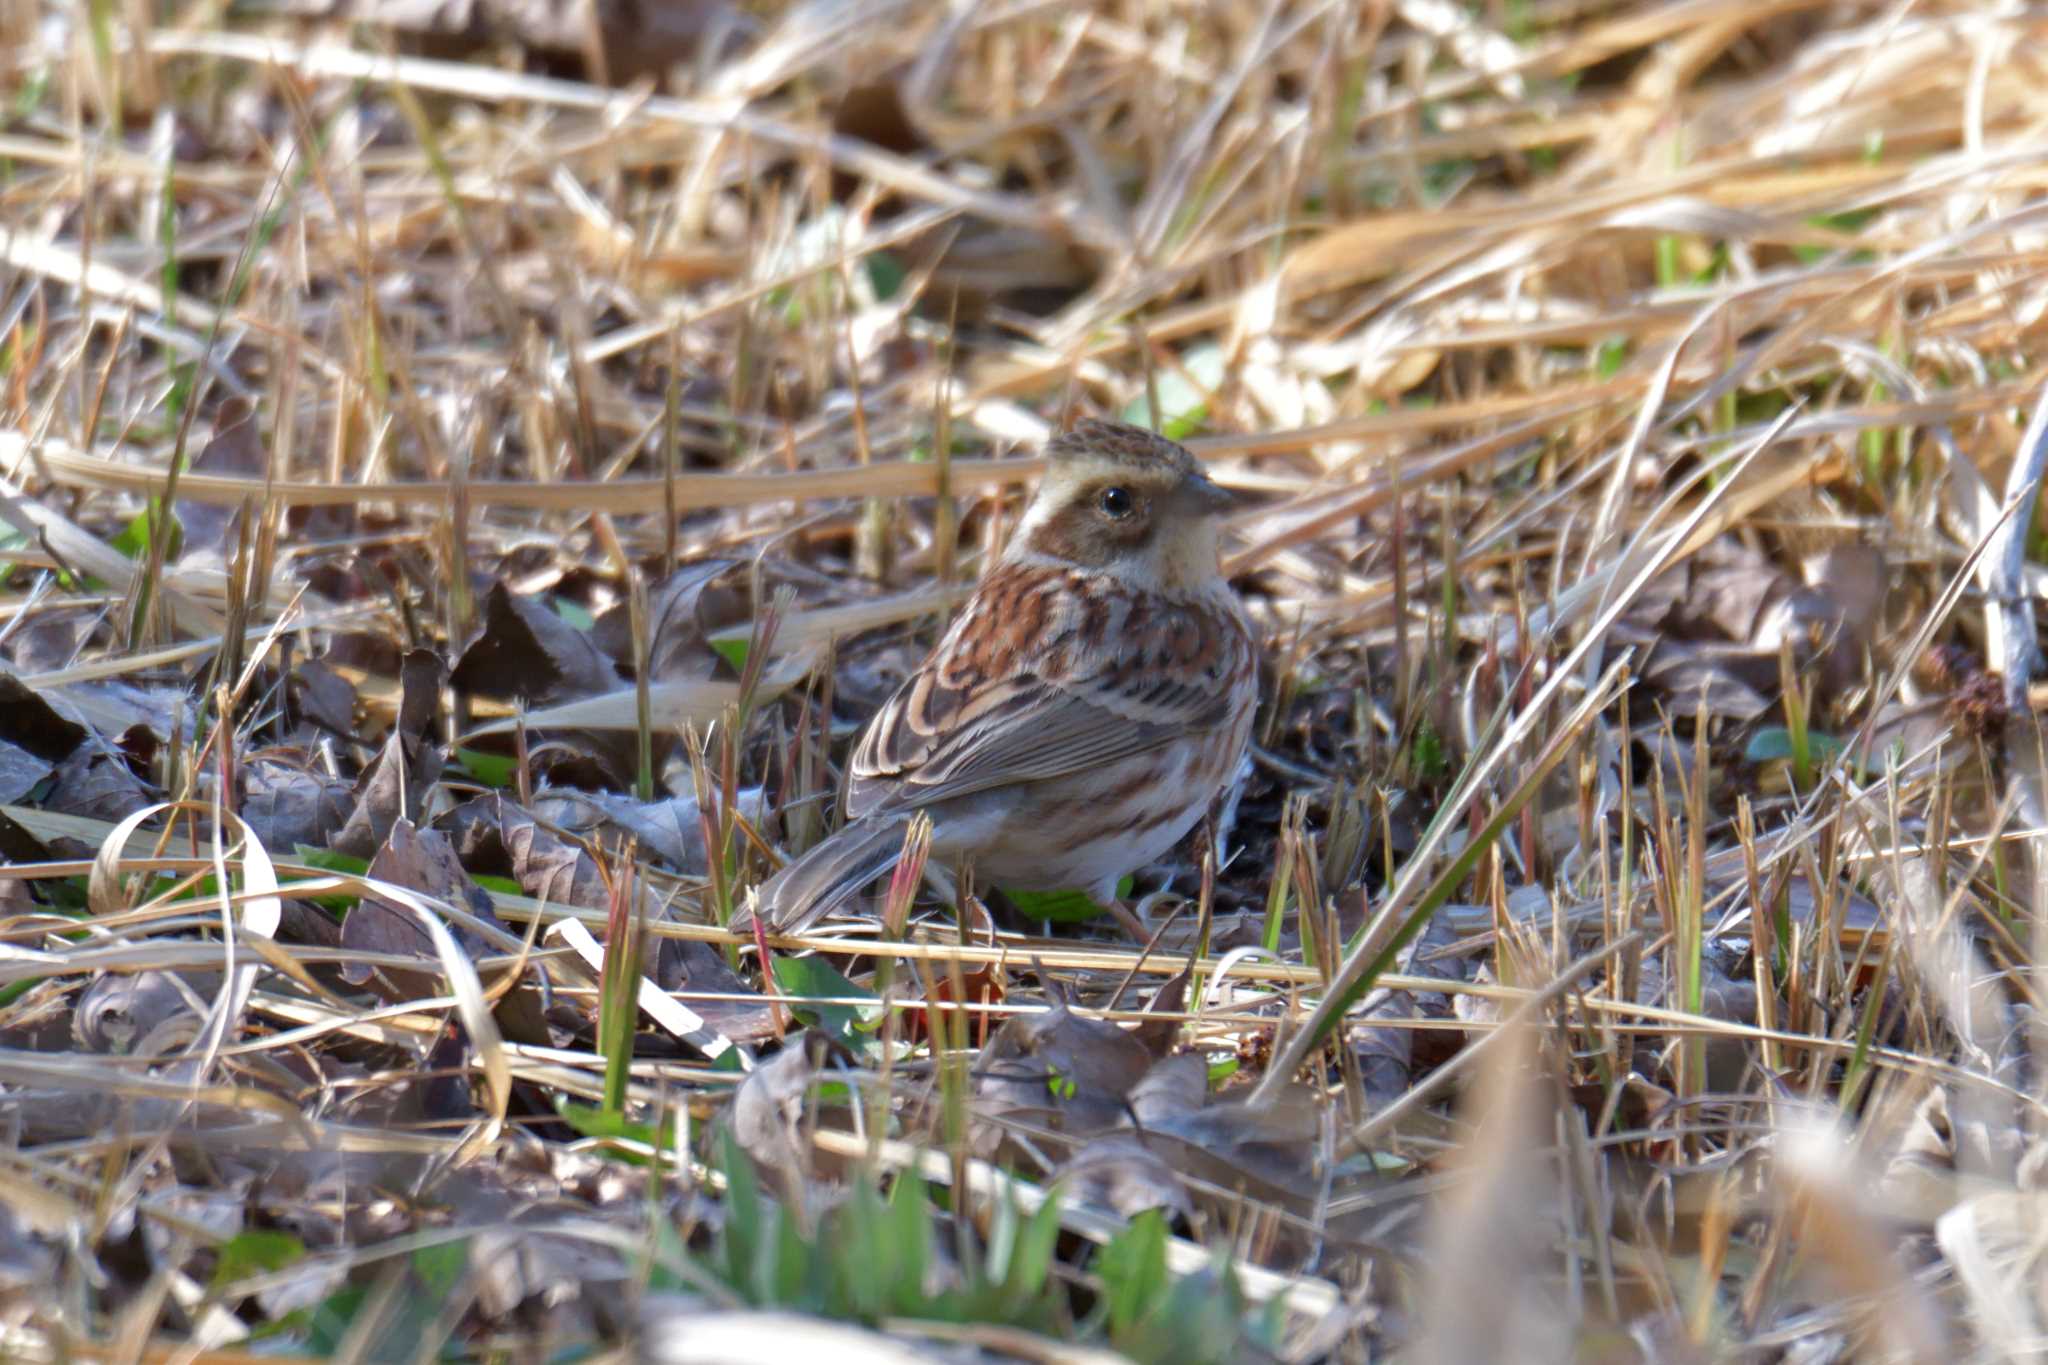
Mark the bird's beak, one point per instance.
(1212, 497)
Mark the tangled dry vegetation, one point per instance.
(468, 471)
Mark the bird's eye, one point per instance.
(1117, 503)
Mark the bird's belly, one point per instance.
(1085, 830)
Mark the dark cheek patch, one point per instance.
(1055, 540)
(1136, 533)
(1080, 533)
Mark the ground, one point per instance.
(471, 470)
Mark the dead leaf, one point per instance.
(236, 448)
(1119, 1172)
(526, 651)
(290, 804)
(767, 1111)
(669, 830)
(20, 771)
(424, 861)
(396, 784)
(1174, 1088)
(682, 611)
(30, 723)
(117, 1011)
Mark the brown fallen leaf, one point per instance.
(425, 861)
(1121, 1173)
(767, 1112)
(395, 785)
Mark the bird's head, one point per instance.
(1126, 501)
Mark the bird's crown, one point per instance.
(1096, 440)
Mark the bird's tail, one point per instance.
(829, 875)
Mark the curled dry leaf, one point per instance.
(424, 861)
(20, 772)
(1121, 1172)
(572, 1283)
(322, 698)
(1174, 1088)
(767, 1112)
(30, 723)
(670, 830)
(122, 1012)
(1093, 1055)
(527, 651)
(290, 804)
(496, 837)
(682, 611)
(696, 973)
(396, 784)
(211, 530)
(97, 783)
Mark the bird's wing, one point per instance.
(1044, 676)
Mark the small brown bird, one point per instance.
(1082, 712)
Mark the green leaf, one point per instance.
(886, 274)
(254, 1252)
(1062, 907)
(437, 1272)
(493, 770)
(1133, 1271)
(575, 613)
(1428, 754)
(741, 1236)
(1029, 1261)
(327, 860)
(593, 1122)
(908, 1227)
(733, 649)
(331, 1320)
(1773, 743)
(814, 976)
(133, 541)
(862, 1256)
(1183, 394)
(441, 1267)
(794, 1271)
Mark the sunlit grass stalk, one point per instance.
(1403, 916)
(671, 451)
(1692, 901)
(768, 619)
(1763, 934)
(1318, 938)
(643, 684)
(618, 997)
(904, 881)
(1397, 562)
(1281, 881)
(1857, 1069)
(704, 787)
(1205, 908)
(1796, 717)
(1623, 975)
(945, 514)
(810, 797)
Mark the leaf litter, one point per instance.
(468, 475)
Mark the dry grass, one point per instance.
(1630, 943)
